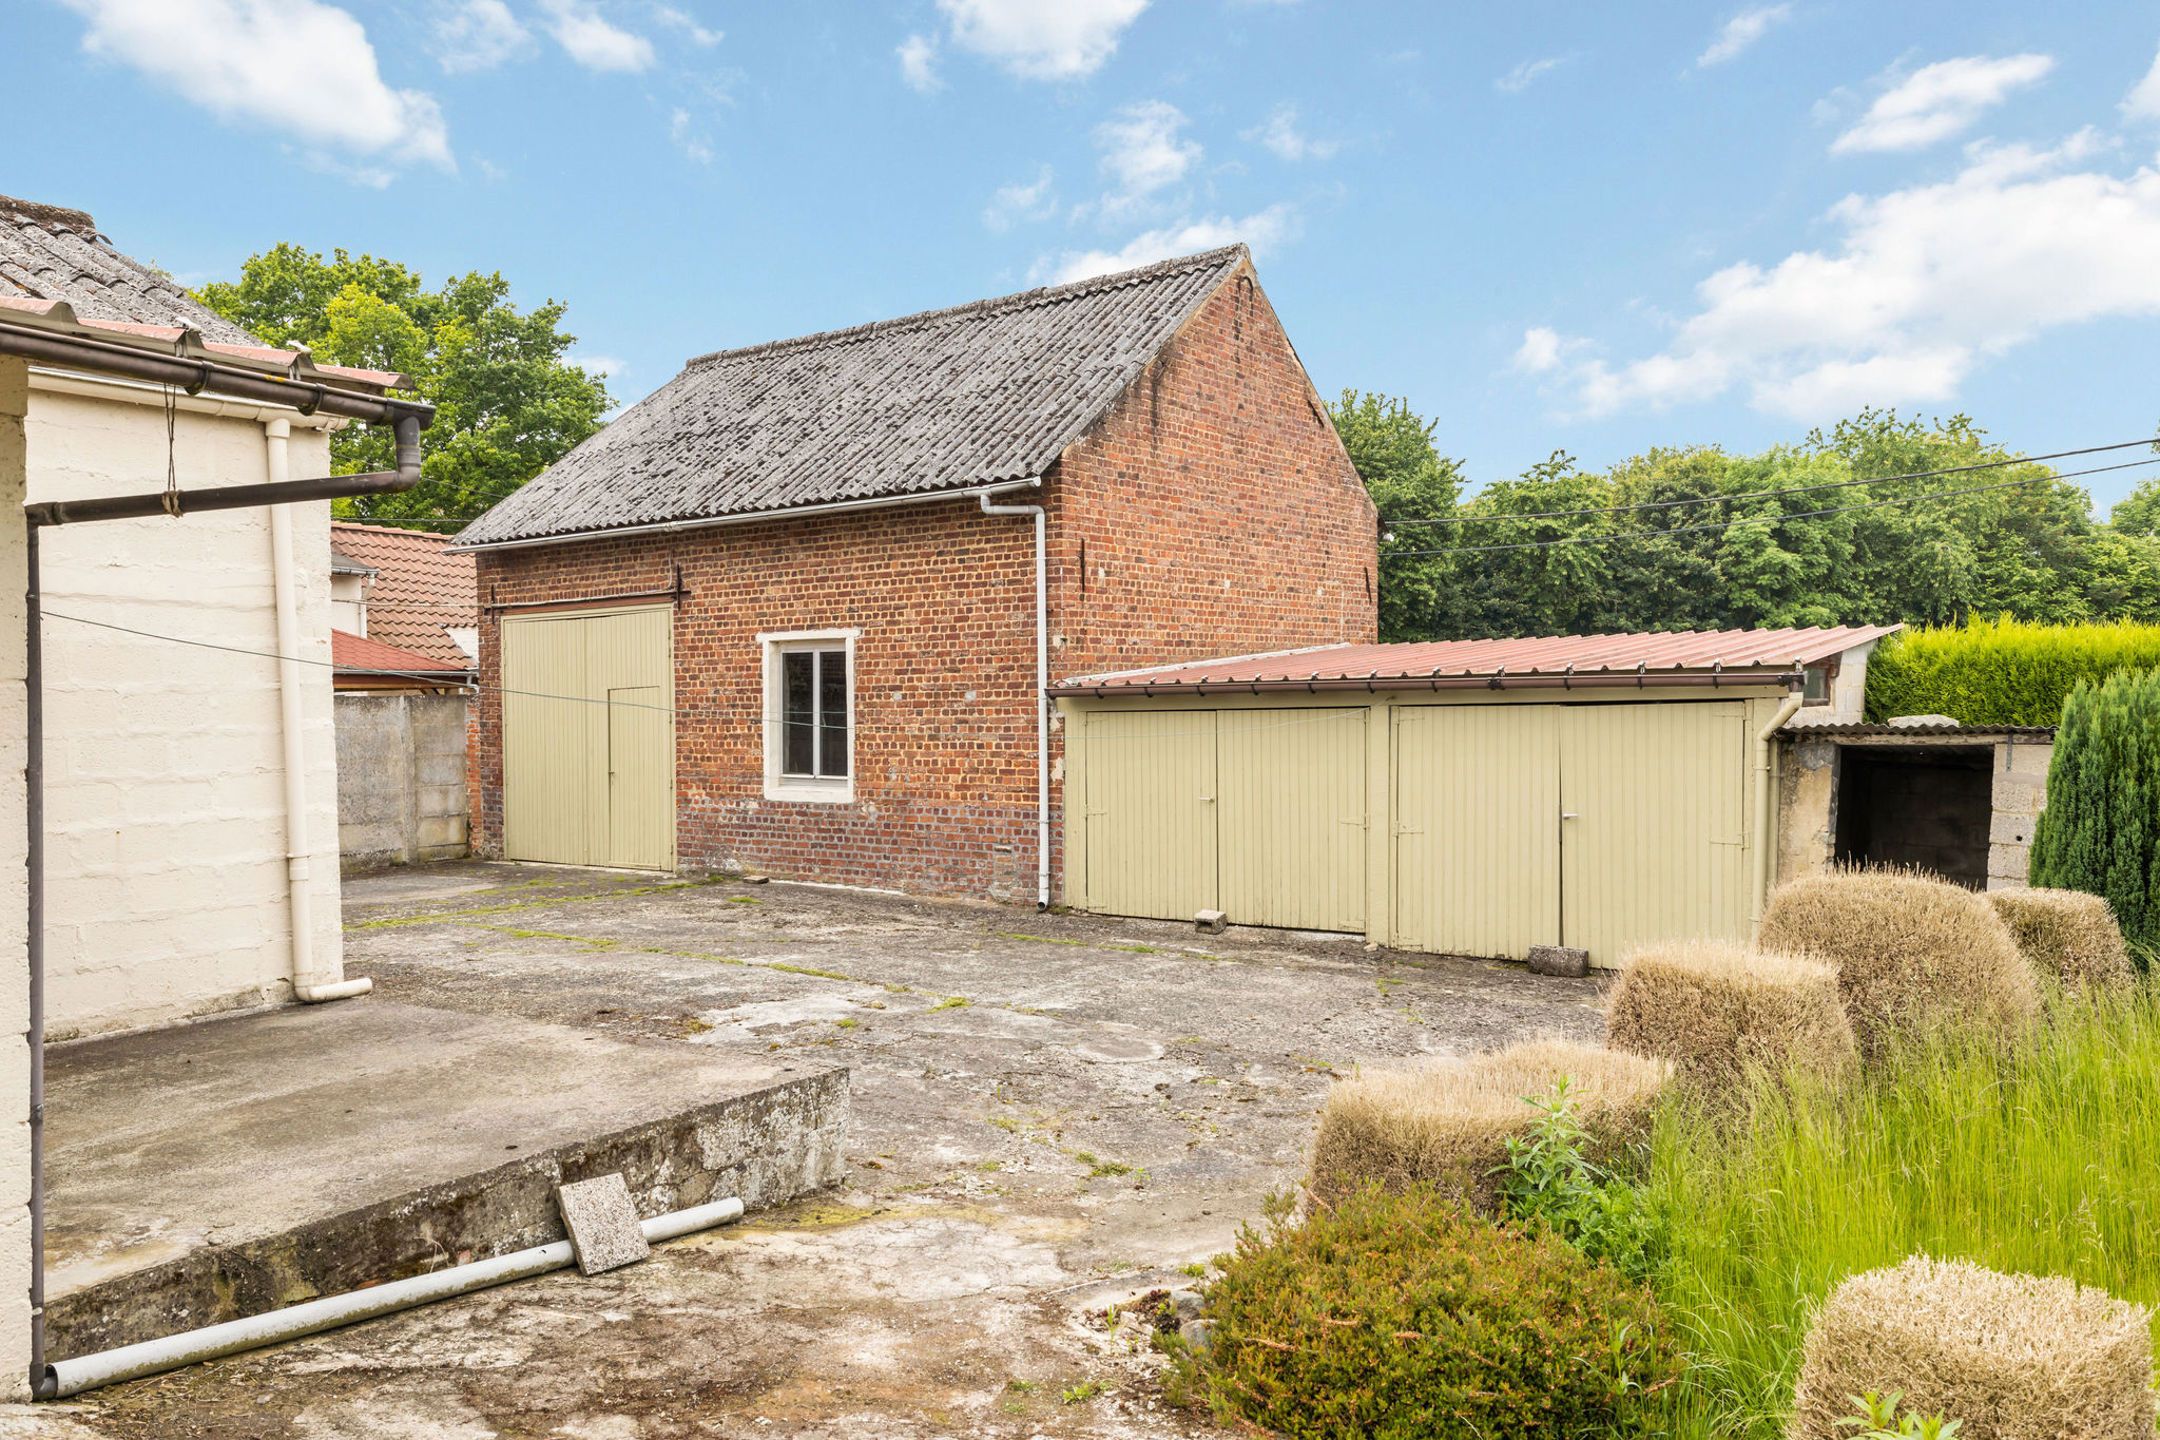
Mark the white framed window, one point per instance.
(810, 715)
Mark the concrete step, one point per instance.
(225, 1169)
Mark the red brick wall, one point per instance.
(1216, 514)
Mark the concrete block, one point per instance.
(1564, 961)
(1211, 922)
(2011, 829)
(602, 1222)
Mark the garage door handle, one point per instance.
(1207, 799)
(1570, 815)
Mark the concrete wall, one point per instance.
(1807, 802)
(165, 809)
(14, 927)
(401, 778)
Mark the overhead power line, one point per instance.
(1497, 516)
(1608, 537)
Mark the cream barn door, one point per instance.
(589, 738)
(1151, 804)
(1291, 824)
(1654, 828)
(1477, 828)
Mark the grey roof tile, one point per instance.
(48, 252)
(979, 393)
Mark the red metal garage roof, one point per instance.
(1556, 661)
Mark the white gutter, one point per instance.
(1042, 696)
(669, 527)
(151, 1357)
(309, 987)
(1766, 804)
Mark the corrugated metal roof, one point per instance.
(991, 391)
(420, 593)
(1548, 659)
(56, 266)
(1850, 729)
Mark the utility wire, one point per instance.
(1779, 519)
(1763, 494)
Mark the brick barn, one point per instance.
(782, 615)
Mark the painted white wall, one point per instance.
(166, 889)
(348, 598)
(14, 918)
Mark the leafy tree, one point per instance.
(2138, 513)
(508, 402)
(1407, 477)
(2100, 832)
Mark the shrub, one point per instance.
(1393, 1316)
(1549, 1182)
(2036, 1158)
(2000, 672)
(2100, 832)
(1718, 1010)
(2013, 1357)
(2066, 936)
(1446, 1122)
(1912, 953)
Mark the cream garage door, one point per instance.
(589, 738)
(1602, 826)
(1258, 813)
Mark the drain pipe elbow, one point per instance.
(1042, 692)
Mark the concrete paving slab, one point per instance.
(239, 1165)
(603, 1224)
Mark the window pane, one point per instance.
(798, 732)
(833, 713)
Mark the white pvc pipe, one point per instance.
(1042, 696)
(151, 1357)
(308, 987)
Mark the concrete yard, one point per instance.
(1049, 1114)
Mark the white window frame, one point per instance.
(804, 789)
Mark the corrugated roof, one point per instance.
(57, 267)
(420, 592)
(362, 653)
(1849, 729)
(995, 390)
(1546, 660)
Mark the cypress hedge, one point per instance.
(2100, 832)
(2000, 672)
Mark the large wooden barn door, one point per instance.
(589, 738)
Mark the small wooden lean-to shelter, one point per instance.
(1472, 797)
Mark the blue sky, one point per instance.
(1583, 227)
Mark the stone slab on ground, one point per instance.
(229, 1168)
(603, 1224)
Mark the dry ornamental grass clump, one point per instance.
(2012, 1357)
(2067, 935)
(1719, 1010)
(1446, 1122)
(1912, 953)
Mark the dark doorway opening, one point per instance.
(1925, 807)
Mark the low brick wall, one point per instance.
(401, 779)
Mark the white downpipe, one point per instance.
(1042, 696)
(1766, 806)
(129, 1362)
(308, 987)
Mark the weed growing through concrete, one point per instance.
(1080, 1394)
(744, 900)
(439, 917)
(951, 1002)
(847, 1024)
(1099, 1168)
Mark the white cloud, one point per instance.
(592, 40)
(688, 138)
(1924, 285)
(478, 35)
(1041, 39)
(299, 66)
(1017, 202)
(1280, 133)
(1523, 76)
(686, 24)
(918, 63)
(1261, 230)
(1543, 350)
(1742, 31)
(1938, 101)
(2143, 102)
(1143, 151)
(606, 367)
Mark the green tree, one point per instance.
(508, 401)
(2100, 832)
(1408, 479)
(2138, 513)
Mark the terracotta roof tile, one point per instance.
(420, 592)
(363, 653)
